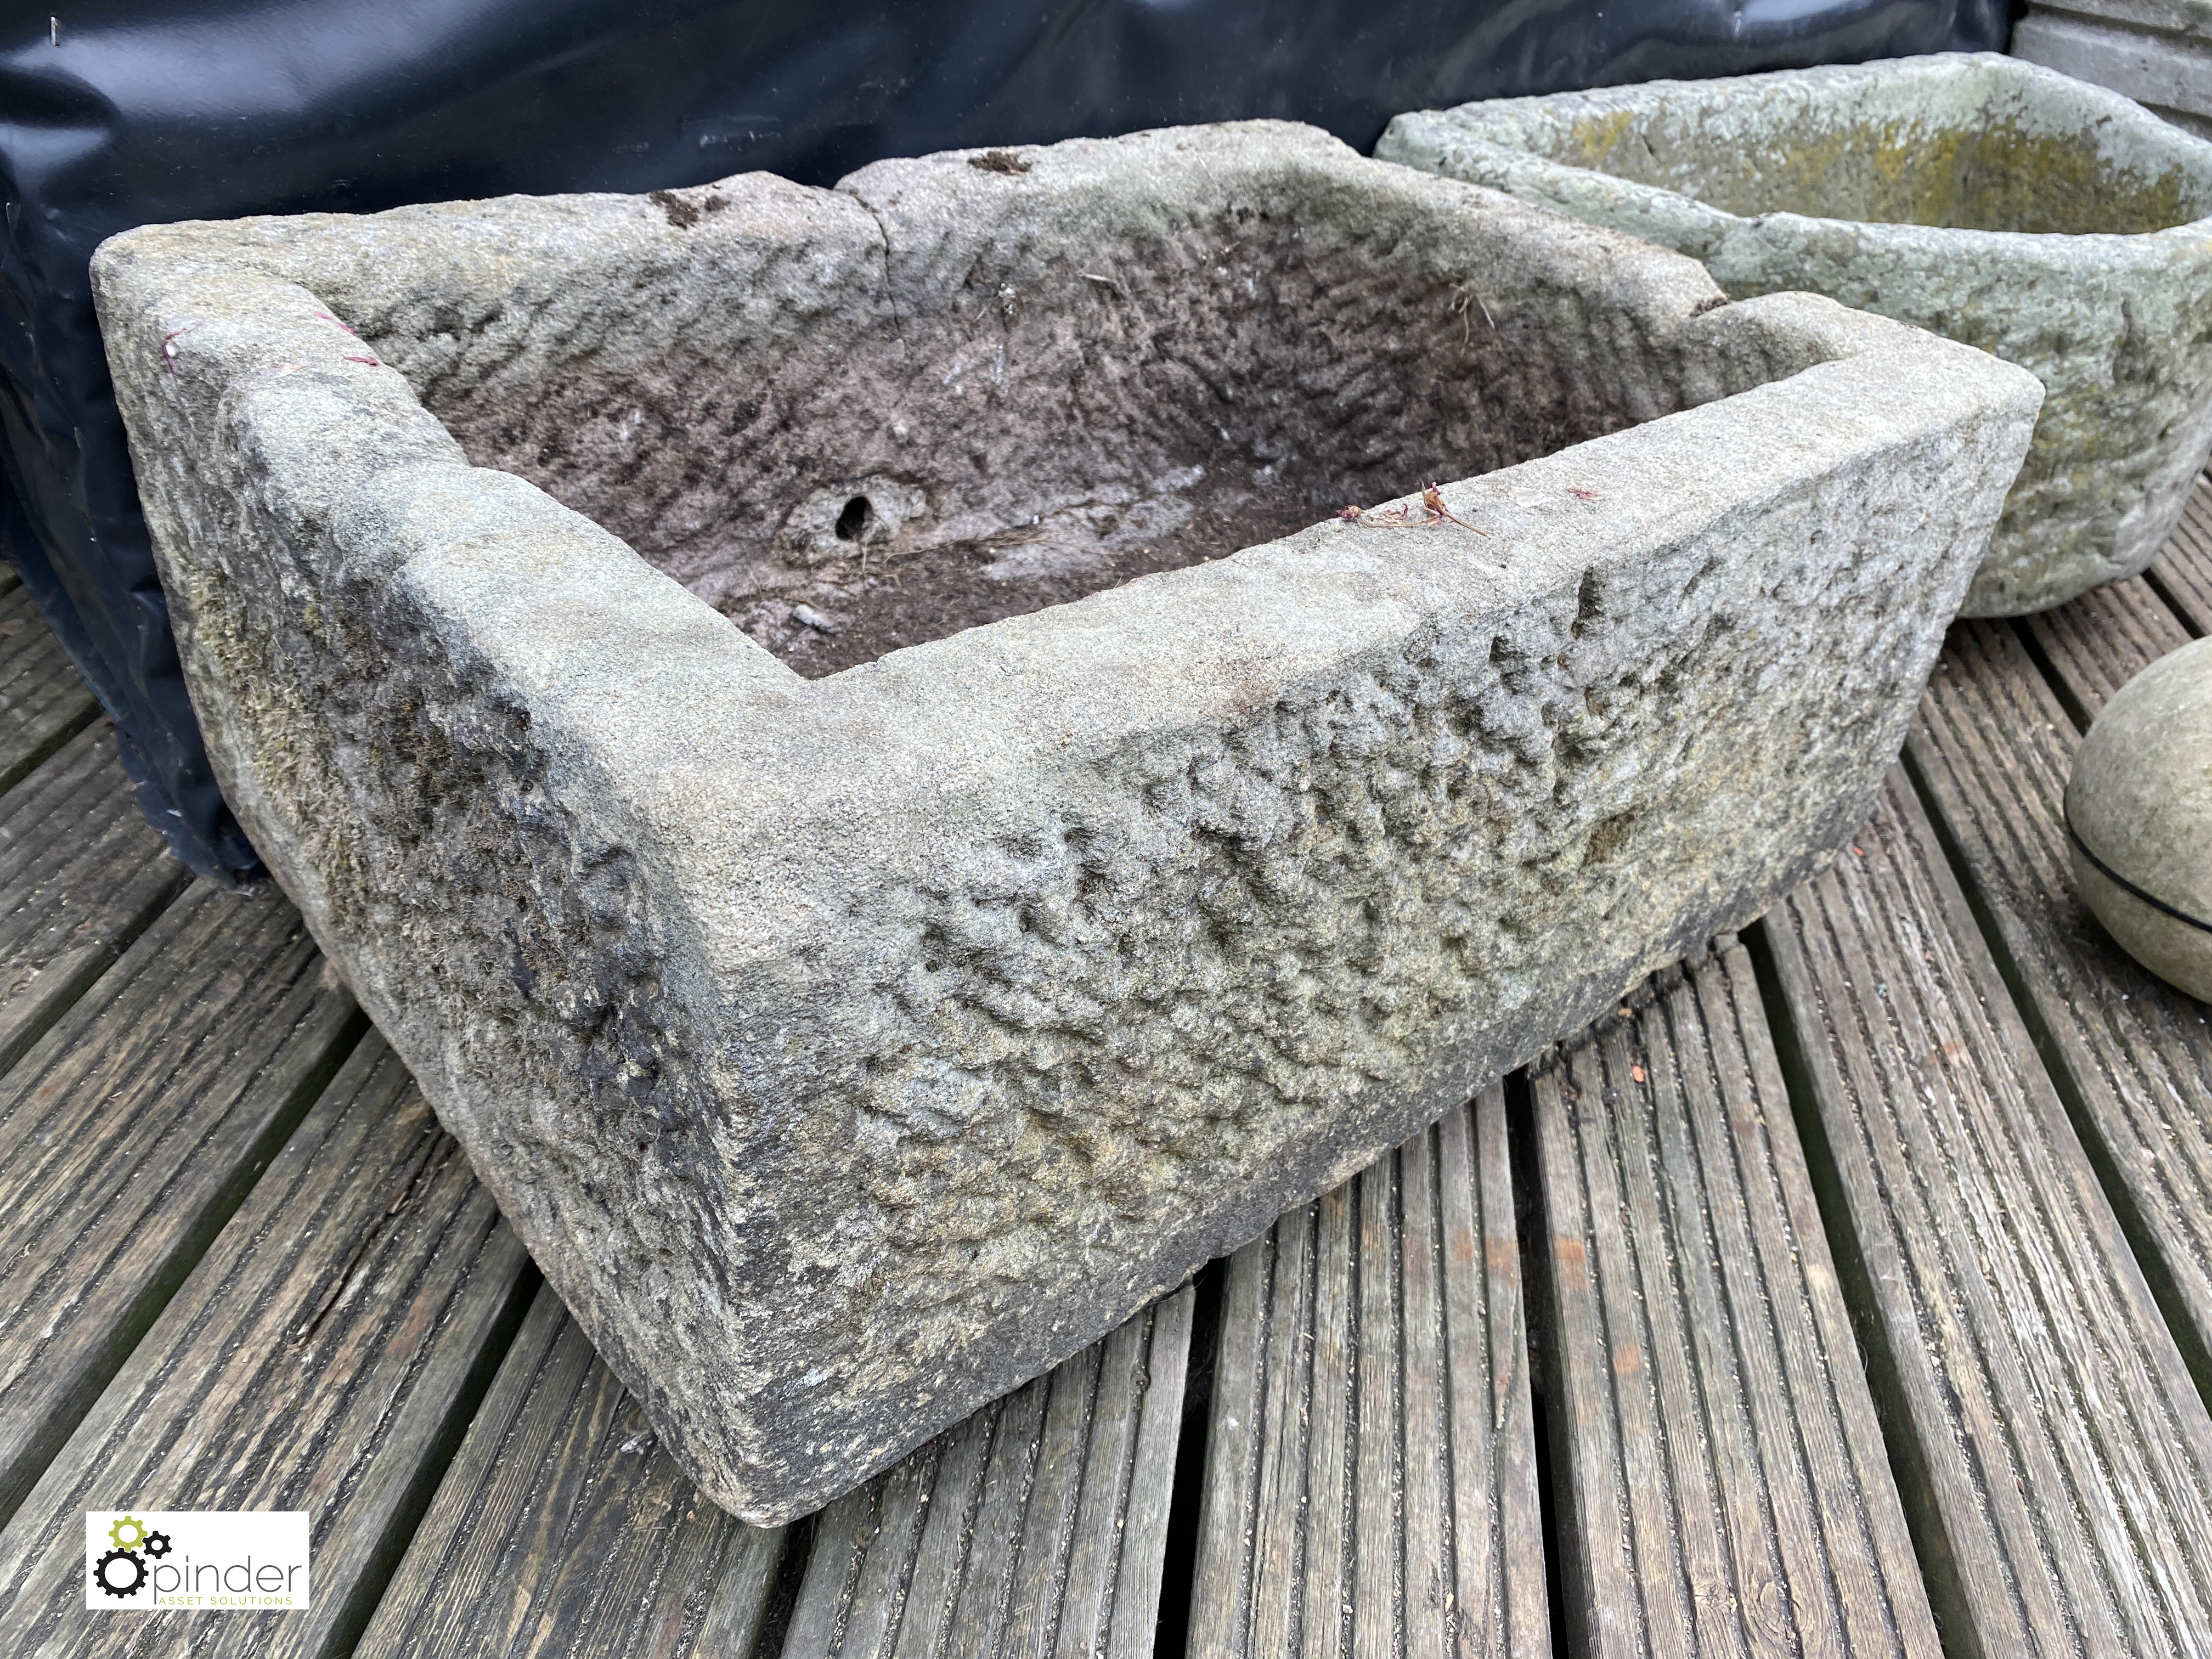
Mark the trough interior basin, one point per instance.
(1001, 431)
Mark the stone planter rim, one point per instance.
(1497, 114)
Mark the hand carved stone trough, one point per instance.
(2053, 223)
(848, 1050)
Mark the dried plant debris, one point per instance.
(681, 214)
(1402, 517)
(682, 211)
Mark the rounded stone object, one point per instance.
(2139, 814)
(2047, 222)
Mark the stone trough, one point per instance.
(2051, 223)
(849, 1046)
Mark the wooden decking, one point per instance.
(1845, 1291)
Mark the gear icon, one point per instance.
(131, 1524)
(157, 1544)
(99, 1573)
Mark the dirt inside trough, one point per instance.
(861, 611)
(1052, 401)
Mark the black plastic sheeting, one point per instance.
(122, 112)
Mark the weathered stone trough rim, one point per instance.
(706, 757)
(320, 350)
(2096, 247)
(759, 704)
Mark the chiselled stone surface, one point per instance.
(849, 1050)
(2051, 223)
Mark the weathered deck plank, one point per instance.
(321, 1356)
(2182, 573)
(2132, 1056)
(1370, 1483)
(1727, 1484)
(1037, 1526)
(2061, 1453)
(82, 875)
(2095, 644)
(563, 1527)
(128, 1134)
(43, 702)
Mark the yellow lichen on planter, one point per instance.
(2002, 175)
(1592, 140)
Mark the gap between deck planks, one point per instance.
(1727, 1489)
(1036, 1527)
(82, 875)
(129, 1134)
(561, 1527)
(2182, 573)
(42, 700)
(323, 1355)
(2132, 1056)
(1371, 1482)
(2058, 1453)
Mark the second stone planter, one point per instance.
(2050, 222)
(848, 1050)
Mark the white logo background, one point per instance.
(213, 1561)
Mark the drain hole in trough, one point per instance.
(882, 595)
